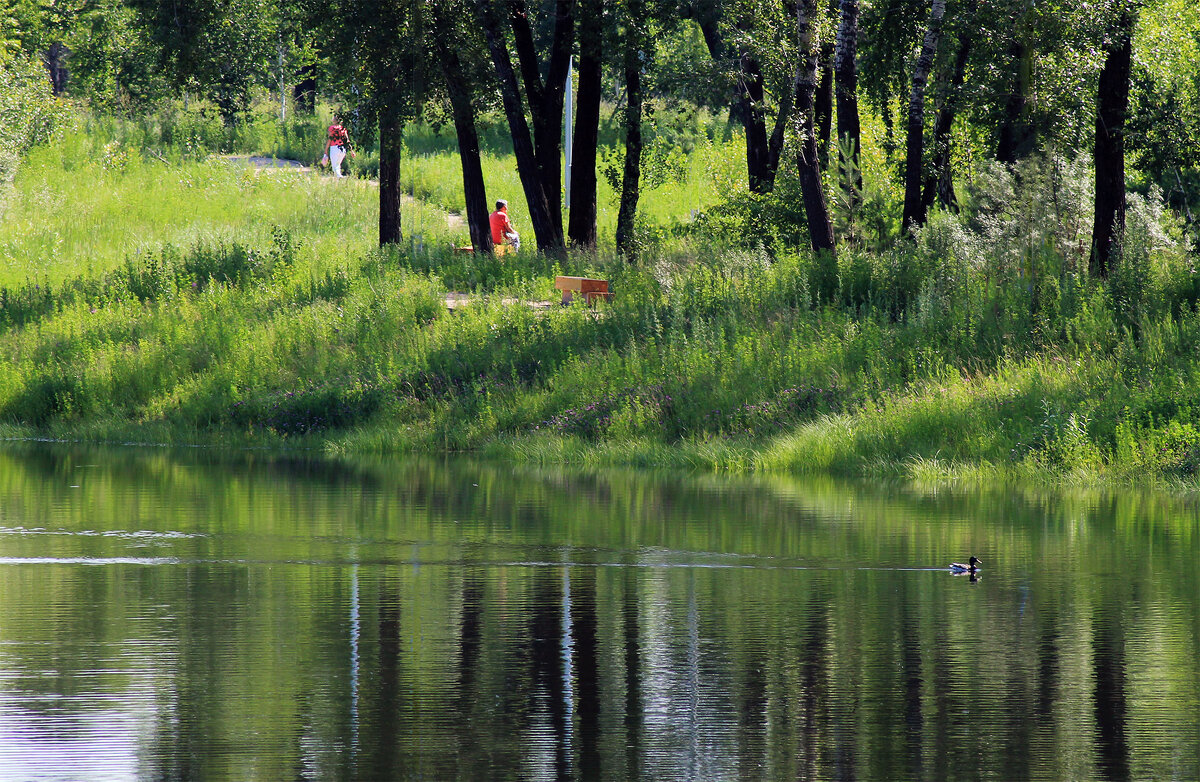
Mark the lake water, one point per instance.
(169, 615)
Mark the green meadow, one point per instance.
(156, 288)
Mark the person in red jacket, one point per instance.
(336, 146)
(502, 228)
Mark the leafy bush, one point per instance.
(28, 113)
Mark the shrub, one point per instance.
(28, 113)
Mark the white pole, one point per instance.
(568, 108)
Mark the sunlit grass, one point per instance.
(82, 210)
(712, 172)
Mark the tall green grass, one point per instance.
(82, 207)
(175, 129)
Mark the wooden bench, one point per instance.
(588, 288)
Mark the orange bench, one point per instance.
(588, 288)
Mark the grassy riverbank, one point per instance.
(175, 298)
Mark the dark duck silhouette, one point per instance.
(972, 565)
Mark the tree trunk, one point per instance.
(389, 180)
(746, 108)
(1112, 105)
(775, 145)
(468, 147)
(1013, 130)
(582, 226)
(304, 94)
(754, 120)
(55, 59)
(914, 206)
(939, 186)
(762, 153)
(849, 129)
(631, 180)
(820, 227)
(546, 231)
(823, 100)
(546, 99)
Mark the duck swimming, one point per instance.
(972, 565)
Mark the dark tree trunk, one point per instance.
(389, 180)
(755, 123)
(823, 100)
(582, 226)
(816, 211)
(767, 150)
(468, 151)
(56, 66)
(1113, 104)
(1014, 131)
(747, 109)
(631, 180)
(775, 145)
(546, 98)
(914, 206)
(546, 231)
(849, 128)
(305, 92)
(939, 186)
(474, 190)
(762, 152)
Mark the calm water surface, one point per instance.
(197, 616)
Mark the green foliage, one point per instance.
(661, 163)
(1156, 274)
(28, 114)
(113, 62)
(685, 71)
(1164, 122)
(220, 49)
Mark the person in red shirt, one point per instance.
(336, 146)
(502, 228)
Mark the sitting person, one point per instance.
(503, 232)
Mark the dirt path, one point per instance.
(454, 220)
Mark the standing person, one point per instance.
(336, 146)
(502, 228)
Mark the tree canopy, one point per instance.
(952, 81)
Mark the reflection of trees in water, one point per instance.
(611, 626)
(1108, 665)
